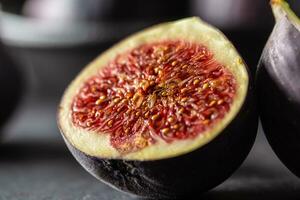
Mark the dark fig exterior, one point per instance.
(278, 83)
(185, 175)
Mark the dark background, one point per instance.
(51, 40)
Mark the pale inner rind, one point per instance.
(190, 30)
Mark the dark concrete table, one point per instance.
(35, 165)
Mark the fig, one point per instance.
(165, 113)
(10, 85)
(278, 83)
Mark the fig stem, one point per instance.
(281, 9)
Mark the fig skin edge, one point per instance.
(278, 81)
(177, 176)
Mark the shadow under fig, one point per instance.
(275, 191)
(254, 182)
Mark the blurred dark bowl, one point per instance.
(51, 54)
(233, 14)
(11, 86)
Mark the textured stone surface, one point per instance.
(36, 165)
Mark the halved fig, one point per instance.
(278, 81)
(166, 112)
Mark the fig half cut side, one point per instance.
(278, 81)
(167, 112)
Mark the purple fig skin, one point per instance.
(278, 86)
